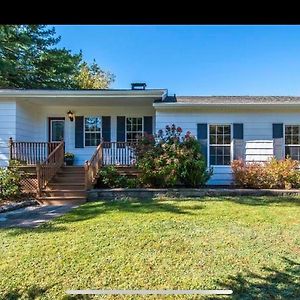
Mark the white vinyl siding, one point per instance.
(258, 136)
(7, 129)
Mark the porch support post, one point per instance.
(10, 143)
(38, 176)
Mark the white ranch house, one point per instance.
(228, 127)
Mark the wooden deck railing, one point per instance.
(30, 153)
(92, 166)
(119, 153)
(49, 167)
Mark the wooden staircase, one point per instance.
(66, 187)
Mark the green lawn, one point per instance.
(251, 245)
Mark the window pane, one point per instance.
(295, 130)
(220, 129)
(227, 139)
(220, 151)
(226, 160)
(227, 151)
(212, 160)
(220, 139)
(213, 150)
(288, 129)
(212, 139)
(57, 130)
(295, 139)
(212, 129)
(219, 160)
(227, 129)
(288, 139)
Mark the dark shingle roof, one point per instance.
(236, 99)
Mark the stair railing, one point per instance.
(92, 166)
(49, 167)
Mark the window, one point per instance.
(292, 141)
(92, 131)
(219, 144)
(134, 129)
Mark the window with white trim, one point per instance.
(292, 141)
(92, 131)
(219, 144)
(134, 129)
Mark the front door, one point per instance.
(56, 129)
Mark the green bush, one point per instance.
(274, 174)
(10, 181)
(168, 159)
(109, 177)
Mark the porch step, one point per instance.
(72, 170)
(65, 186)
(64, 192)
(68, 179)
(59, 200)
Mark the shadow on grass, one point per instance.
(260, 200)
(276, 284)
(94, 209)
(32, 293)
(146, 206)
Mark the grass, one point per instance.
(251, 245)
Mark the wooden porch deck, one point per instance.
(54, 183)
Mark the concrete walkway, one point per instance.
(32, 216)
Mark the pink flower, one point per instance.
(179, 129)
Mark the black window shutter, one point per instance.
(79, 132)
(148, 124)
(277, 131)
(121, 130)
(238, 131)
(202, 138)
(106, 129)
(238, 141)
(278, 141)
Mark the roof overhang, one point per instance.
(85, 97)
(178, 105)
(83, 93)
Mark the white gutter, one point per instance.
(90, 94)
(218, 105)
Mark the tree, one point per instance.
(93, 77)
(29, 58)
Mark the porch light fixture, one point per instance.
(71, 115)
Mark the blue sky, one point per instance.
(194, 60)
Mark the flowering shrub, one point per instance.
(274, 174)
(167, 159)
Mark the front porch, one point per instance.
(52, 181)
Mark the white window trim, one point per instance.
(132, 131)
(94, 131)
(284, 144)
(208, 145)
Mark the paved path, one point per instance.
(32, 216)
